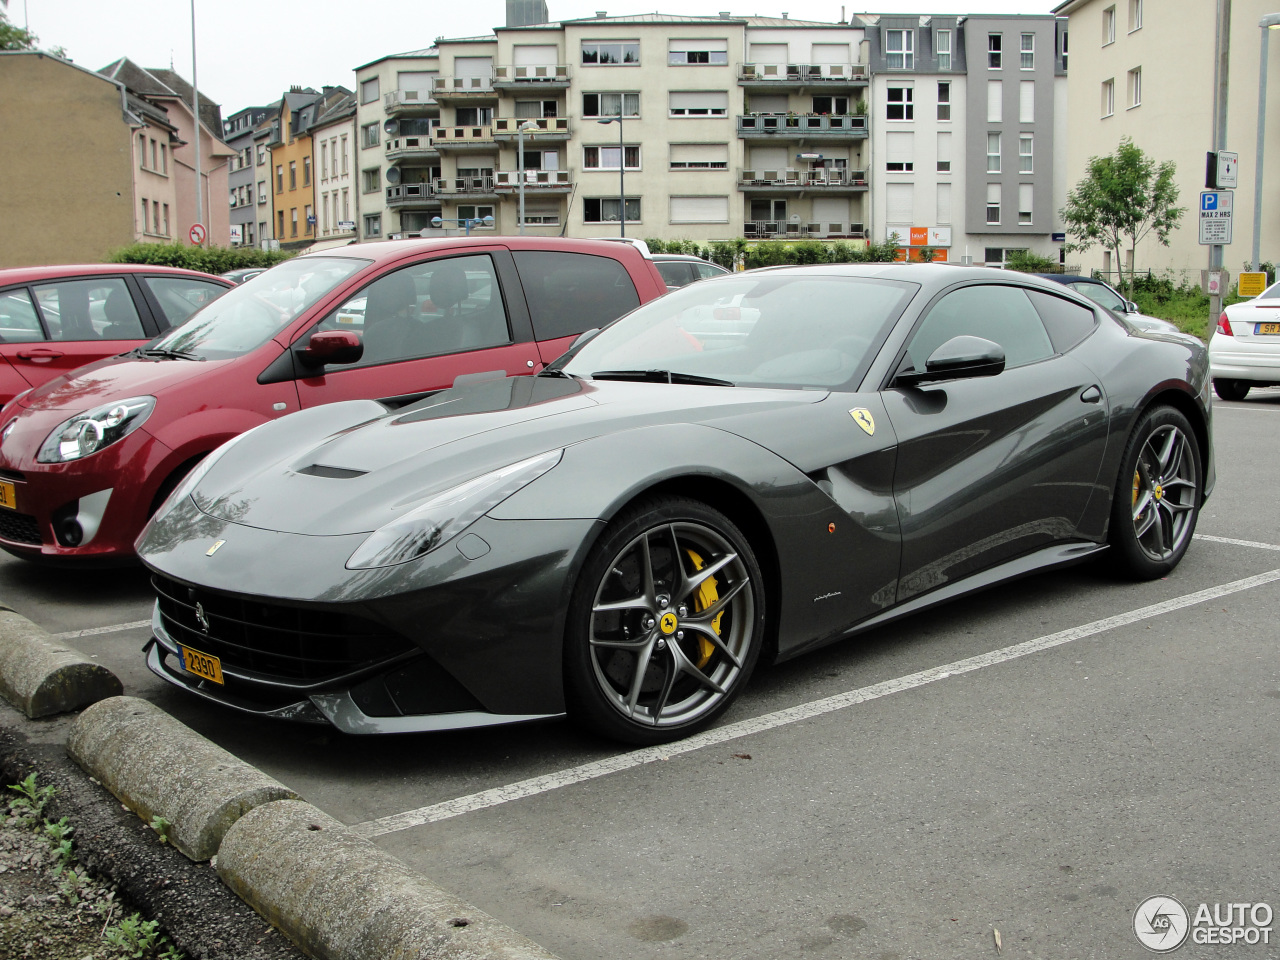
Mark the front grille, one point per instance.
(270, 641)
(19, 528)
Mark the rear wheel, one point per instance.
(1231, 389)
(1157, 499)
(665, 624)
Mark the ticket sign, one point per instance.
(1215, 216)
(1252, 284)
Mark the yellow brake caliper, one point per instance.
(707, 595)
(1137, 479)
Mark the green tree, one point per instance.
(1123, 198)
(15, 38)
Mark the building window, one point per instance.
(607, 104)
(165, 222)
(279, 224)
(1026, 158)
(164, 158)
(699, 156)
(1135, 87)
(293, 174)
(612, 53)
(373, 225)
(310, 216)
(293, 213)
(146, 214)
(993, 203)
(900, 105)
(1108, 26)
(344, 154)
(900, 48)
(995, 101)
(699, 210)
(1027, 101)
(993, 153)
(1025, 192)
(535, 109)
(1108, 97)
(702, 103)
(605, 210)
(279, 178)
(369, 90)
(942, 48)
(606, 158)
(1064, 49)
(371, 180)
(838, 106)
(899, 152)
(944, 152)
(943, 213)
(346, 209)
(324, 161)
(944, 100)
(262, 191)
(474, 212)
(994, 41)
(306, 171)
(369, 136)
(689, 52)
(1028, 52)
(142, 152)
(155, 155)
(1135, 15)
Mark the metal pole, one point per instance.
(1221, 71)
(520, 170)
(622, 166)
(195, 109)
(1266, 25)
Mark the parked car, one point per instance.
(55, 319)
(1244, 348)
(243, 274)
(87, 457)
(1105, 295)
(623, 536)
(679, 269)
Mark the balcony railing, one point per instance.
(531, 75)
(461, 86)
(801, 179)
(468, 185)
(399, 148)
(541, 181)
(832, 126)
(461, 136)
(397, 101)
(755, 229)
(797, 73)
(408, 194)
(555, 128)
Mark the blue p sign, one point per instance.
(1208, 201)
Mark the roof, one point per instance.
(385, 251)
(35, 274)
(162, 84)
(431, 51)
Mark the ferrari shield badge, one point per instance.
(214, 549)
(862, 417)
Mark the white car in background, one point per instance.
(1244, 351)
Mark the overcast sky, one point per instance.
(250, 51)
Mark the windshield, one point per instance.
(247, 316)
(815, 330)
(1271, 293)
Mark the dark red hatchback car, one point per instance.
(86, 458)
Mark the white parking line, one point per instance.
(626, 761)
(1237, 543)
(93, 631)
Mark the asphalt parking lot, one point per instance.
(1036, 760)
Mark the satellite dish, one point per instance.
(393, 174)
(437, 222)
(392, 127)
(794, 218)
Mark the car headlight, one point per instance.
(89, 432)
(188, 483)
(424, 528)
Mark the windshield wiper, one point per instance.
(660, 376)
(555, 372)
(160, 353)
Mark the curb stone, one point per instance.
(42, 676)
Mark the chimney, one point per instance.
(295, 89)
(725, 14)
(601, 14)
(784, 14)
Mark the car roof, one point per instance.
(678, 256)
(388, 251)
(1068, 278)
(56, 272)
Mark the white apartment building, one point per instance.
(333, 139)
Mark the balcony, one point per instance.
(809, 126)
(463, 138)
(795, 76)
(533, 77)
(470, 188)
(403, 196)
(550, 129)
(411, 148)
(536, 182)
(800, 182)
(408, 103)
(797, 230)
(463, 88)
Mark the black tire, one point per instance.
(650, 659)
(1157, 496)
(1231, 389)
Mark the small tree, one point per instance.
(15, 38)
(1123, 198)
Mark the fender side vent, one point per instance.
(331, 473)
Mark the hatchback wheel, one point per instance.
(1231, 389)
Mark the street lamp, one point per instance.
(622, 166)
(527, 127)
(467, 222)
(1268, 23)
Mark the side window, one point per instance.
(1103, 296)
(427, 310)
(180, 297)
(18, 320)
(571, 292)
(100, 309)
(998, 313)
(674, 272)
(1068, 323)
(706, 270)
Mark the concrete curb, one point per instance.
(157, 766)
(339, 897)
(42, 676)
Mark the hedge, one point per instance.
(213, 260)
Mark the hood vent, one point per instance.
(331, 473)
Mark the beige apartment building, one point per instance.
(1145, 71)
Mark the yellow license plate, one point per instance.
(1268, 328)
(8, 495)
(202, 664)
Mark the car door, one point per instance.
(425, 325)
(175, 298)
(990, 468)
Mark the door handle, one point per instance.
(39, 354)
(1091, 395)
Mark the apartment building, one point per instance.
(293, 198)
(334, 137)
(1145, 71)
(265, 133)
(238, 131)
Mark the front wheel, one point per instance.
(665, 624)
(1231, 389)
(1157, 499)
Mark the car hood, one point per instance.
(114, 378)
(344, 473)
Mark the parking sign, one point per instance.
(1215, 216)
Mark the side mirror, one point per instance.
(958, 359)
(1131, 307)
(332, 346)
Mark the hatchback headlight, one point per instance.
(424, 528)
(89, 432)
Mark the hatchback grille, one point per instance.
(19, 528)
(266, 640)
